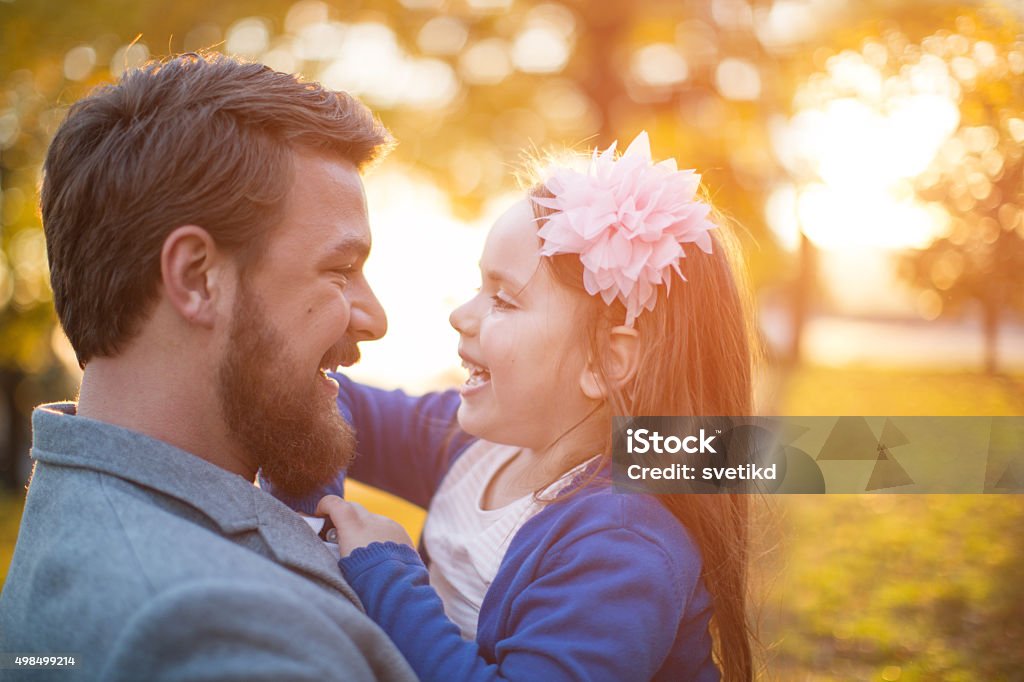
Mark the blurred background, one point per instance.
(870, 152)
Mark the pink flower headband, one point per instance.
(628, 219)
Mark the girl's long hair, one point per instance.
(696, 359)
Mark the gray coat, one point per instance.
(145, 562)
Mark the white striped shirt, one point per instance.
(466, 542)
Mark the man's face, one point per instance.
(299, 311)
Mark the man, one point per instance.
(206, 228)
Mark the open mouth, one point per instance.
(328, 383)
(477, 375)
(344, 353)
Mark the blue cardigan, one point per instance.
(599, 586)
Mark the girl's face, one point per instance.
(519, 341)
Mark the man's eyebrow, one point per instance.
(349, 248)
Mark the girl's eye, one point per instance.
(501, 304)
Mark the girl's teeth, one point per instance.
(477, 377)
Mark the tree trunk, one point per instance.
(13, 431)
(603, 26)
(990, 326)
(801, 297)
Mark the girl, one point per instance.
(538, 570)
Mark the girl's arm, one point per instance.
(603, 603)
(404, 443)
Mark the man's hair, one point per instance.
(196, 139)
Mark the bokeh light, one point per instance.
(870, 153)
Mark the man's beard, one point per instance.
(277, 413)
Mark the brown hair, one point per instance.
(697, 358)
(199, 139)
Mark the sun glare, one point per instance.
(422, 266)
(855, 147)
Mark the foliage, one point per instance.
(978, 176)
(464, 85)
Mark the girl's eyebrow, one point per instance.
(505, 278)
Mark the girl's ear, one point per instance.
(620, 362)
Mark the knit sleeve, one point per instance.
(405, 443)
(601, 604)
(394, 586)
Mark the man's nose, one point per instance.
(367, 320)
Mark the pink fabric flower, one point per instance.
(628, 219)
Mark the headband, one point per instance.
(627, 218)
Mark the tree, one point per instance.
(463, 85)
(963, 87)
(977, 179)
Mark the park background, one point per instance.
(870, 152)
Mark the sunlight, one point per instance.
(423, 265)
(857, 144)
(838, 216)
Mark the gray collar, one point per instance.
(234, 504)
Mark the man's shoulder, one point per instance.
(106, 566)
(225, 628)
(266, 626)
(117, 534)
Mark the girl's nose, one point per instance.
(462, 319)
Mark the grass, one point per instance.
(866, 391)
(925, 587)
(894, 587)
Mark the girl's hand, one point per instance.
(357, 527)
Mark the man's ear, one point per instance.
(620, 362)
(190, 268)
